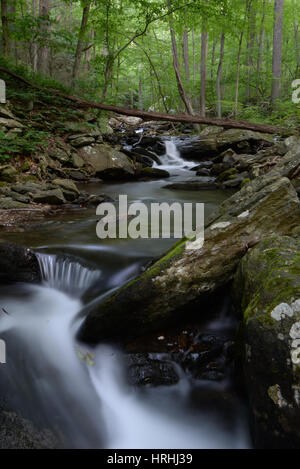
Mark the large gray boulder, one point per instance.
(107, 162)
(267, 292)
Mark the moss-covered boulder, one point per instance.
(8, 173)
(169, 287)
(267, 291)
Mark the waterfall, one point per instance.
(66, 275)
(172, 157)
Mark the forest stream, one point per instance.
(81, 393)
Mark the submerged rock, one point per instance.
(267, 291)
(153, 173)
(147, 369)
(203, 183)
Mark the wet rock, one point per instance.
(66, 184)
(18, 264)
(203, 172)
(240, 140)
(51, 197)
(170, 286)
(292, 142)
(78, 141)
(153, 173)
(229, 158)
(107, 162)
(7, 203)
(30, 187)
(211, 130)
(296, 184)
(5, 112)
(218, 168)
(146, 153)
(149, 369)
(206, 183)
(78, 162)
(19, 433)
(58, 154)
(77, 175)
(234, 182)
(267, 291)
(130, 121)
(94, 200)
(203, 165)
(198, 148)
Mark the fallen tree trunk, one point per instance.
(146, 115)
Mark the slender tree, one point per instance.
(5, 27)
(219, 76)
(182, 93)
(44, 12)
(277, 50)
(81, 39)
(204, 43)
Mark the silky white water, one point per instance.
(172, 159)
(81, 393)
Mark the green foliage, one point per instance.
(127, 54)
(28, 143)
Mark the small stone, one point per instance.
(281, 311)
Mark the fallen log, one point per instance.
(147, 115)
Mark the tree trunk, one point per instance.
(5, 28)
(260, 49)
(81, 41)
(141, 103)
(182, 93)
(226, 123)
(34, 48)
(219, 77)
(250, 45)
(194, 58)
(297, 44)
(186, 55)
(237, 81)
(212, 65)
(277, 51)
(43, 51)
(204, 37)
(88, 54)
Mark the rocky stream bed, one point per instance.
(226, 313)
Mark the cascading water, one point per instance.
(66, 275)
(172, 158)
(81, 393)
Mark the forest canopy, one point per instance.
(224, 58)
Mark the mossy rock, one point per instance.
(228, 174)
(267, 291)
